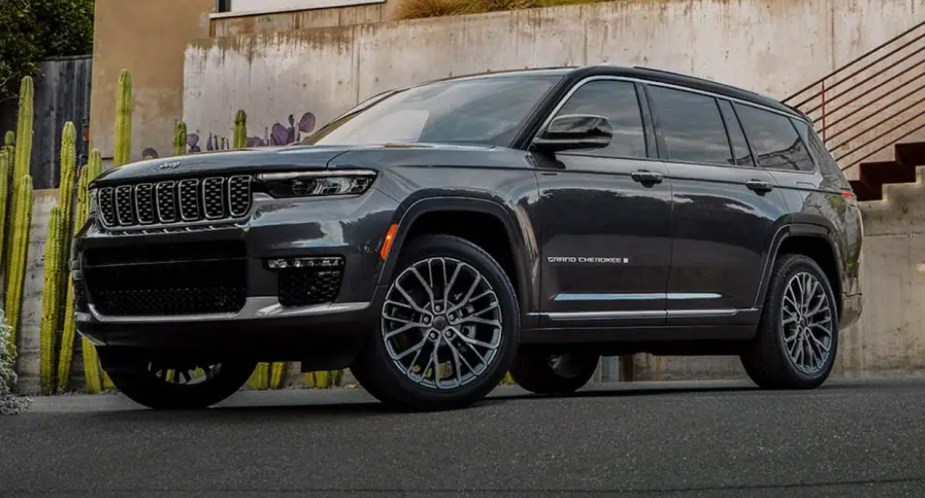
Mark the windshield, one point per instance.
(488, 111)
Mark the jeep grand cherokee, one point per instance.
(436, 237)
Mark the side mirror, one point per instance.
(575, 131)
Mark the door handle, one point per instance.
(647, 178)
(759, 186)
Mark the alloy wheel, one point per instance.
(808, 323)
(442, 323)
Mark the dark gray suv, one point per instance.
(436, 237)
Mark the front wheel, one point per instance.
(165, 384)
(448, 329)
(798, 335)
(562, 373)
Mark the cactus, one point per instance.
(24, 130)
(179, 139)
(92, 169)
(54, 243)
(325, 379)
(260, 378)
(123, 120)
(19, 246)
(9, 139)
(277, 374)
(240, 130)
(5, 166)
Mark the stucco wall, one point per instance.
(148, 39)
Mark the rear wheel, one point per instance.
(798, 336)
(448, 328)
(562, 373)
(171, 384)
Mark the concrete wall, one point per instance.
(148, 39)
(233, 25)
(767, 46)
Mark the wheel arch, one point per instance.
(813, 240)
(512, 253)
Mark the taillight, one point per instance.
(849, 197)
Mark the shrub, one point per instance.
(414, 9)
(10, 404)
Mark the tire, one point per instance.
(773, 360)
(394, 365)
(553, 374)
(147, 383)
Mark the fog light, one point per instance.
(314, 262)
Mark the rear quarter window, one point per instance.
(775, 140)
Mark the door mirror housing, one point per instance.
(575, 131)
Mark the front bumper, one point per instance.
(351, 228)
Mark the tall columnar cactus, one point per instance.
(24, 130)
(179, 139)
(277, 374)
(9, 139)
(6, 164)
(240, 130)
(93, 168)
(19, 246)
(66, 202)
(260, 379)
(123, 120)
(51, 296)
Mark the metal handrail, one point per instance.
(846, 66)
(890, 65)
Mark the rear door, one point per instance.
(605, 218)
(725, 208)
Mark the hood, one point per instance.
(307, 157)
(224, 163)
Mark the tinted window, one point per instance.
(743, 157)
(692, 127)
(775, 140)
(617, 101)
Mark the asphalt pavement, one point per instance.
(712, 439)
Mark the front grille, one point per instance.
(189, 200)
(161, 280)
(305, 286)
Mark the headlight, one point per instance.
(317, 183)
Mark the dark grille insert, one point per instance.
(189, 200)
(305, 286)
(144, 207)
(213, 198)
(239, 195)
(166, 202)
(107, 206)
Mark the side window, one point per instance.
(617, 101)
(692, 126)
(743, 156)
(775, 140)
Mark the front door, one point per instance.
(605, 219)
(725, 209)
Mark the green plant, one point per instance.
(6, 164)
(325, 379)
(9, 404)
(277, 374)
(81, 212)
(19, 246)
(260, 378)
(54, 243)
(37, 29)
(179, 139)
(240, 130)
(9, 139)
(413, 9)
(24, 129)
(123, 149)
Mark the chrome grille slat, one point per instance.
(192, 200)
